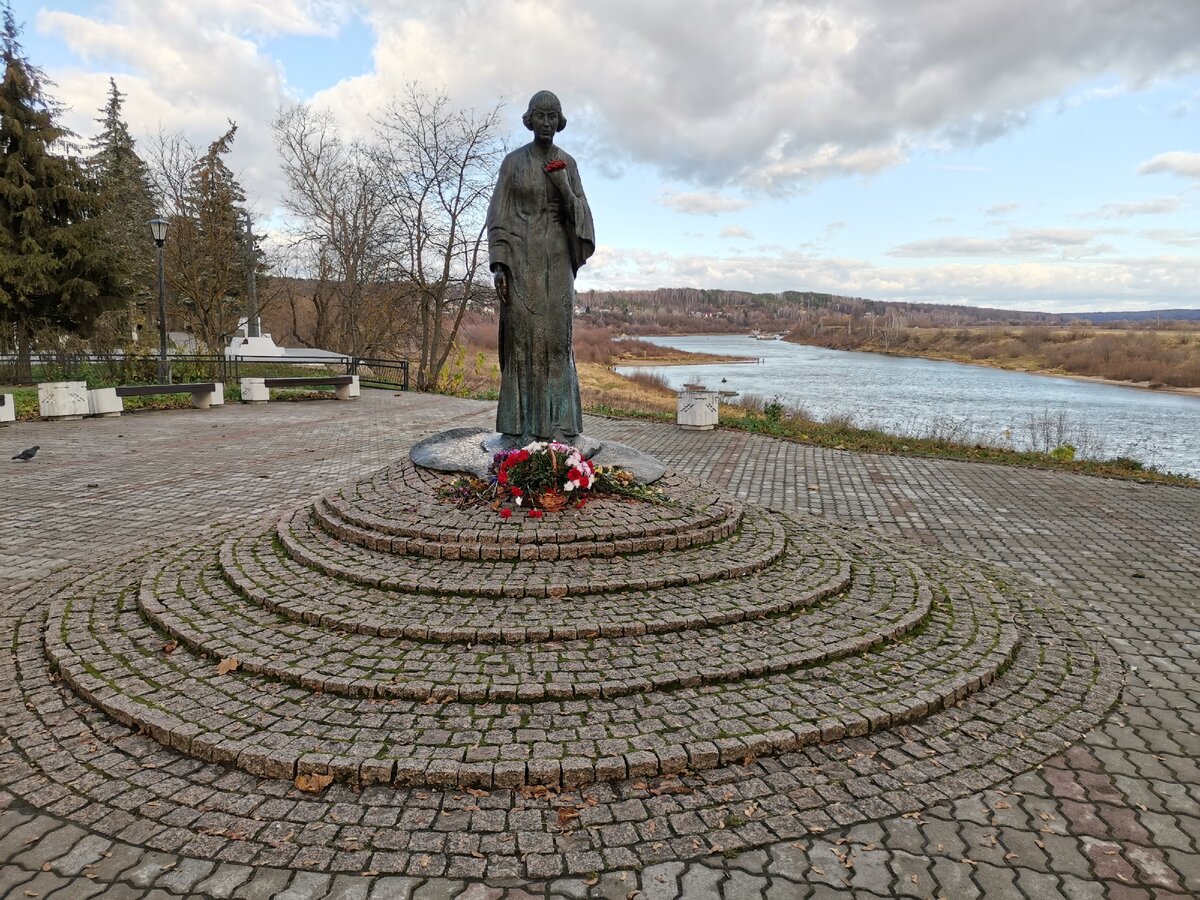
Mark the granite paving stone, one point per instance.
(995, 764)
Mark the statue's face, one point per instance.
(544, 121)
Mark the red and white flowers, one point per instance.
(542, 474)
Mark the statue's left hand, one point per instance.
(560, 180)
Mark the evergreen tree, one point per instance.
(126, 206)
(55, 267)
(209, 248)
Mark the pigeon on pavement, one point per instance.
(26, 455)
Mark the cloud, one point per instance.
(189, 67)
(1125, 210)
(701, 203)
(1064, 286)
(734, 232)
(1025, 242)
(996, 210)
(1176, 162)
(1176, 237)
(769, 100)
(778, 95)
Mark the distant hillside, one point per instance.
(1149, 315)
(695, 309)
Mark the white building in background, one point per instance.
(241, 345)
(262, 348)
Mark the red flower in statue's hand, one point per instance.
(502, 476)
(554, 165)
(505, 513)
(516, 492)
(535, 514)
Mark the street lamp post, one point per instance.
(158, 228)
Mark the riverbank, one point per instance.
(1015, 366)
(1167, 361)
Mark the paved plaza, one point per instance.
(1002, 664)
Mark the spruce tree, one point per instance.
(206, 251)
(126, 202)
(55, 267)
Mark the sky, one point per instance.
(1020, 154)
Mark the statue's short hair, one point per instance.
(544, 99)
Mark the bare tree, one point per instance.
(337, 196)
(439, 164)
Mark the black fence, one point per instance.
(99, 369)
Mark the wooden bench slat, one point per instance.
(308, 382)
(145, 390)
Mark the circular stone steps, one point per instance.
(1062, 681)
(757, 544)
(402, 501)
(198, 608)
(976, 679)
(256, 566)
(107, 652)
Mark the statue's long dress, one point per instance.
(543, 242)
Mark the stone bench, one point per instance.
(110, 401)
(258, 390)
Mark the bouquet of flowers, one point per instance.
(542, 474)
(544, 477)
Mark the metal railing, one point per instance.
(106, 369)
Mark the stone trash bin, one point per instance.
(697, 409)
(63, 399)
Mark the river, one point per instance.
(935, 398)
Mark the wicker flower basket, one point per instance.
(550, 501)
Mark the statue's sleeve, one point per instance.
(501, 216)
(583, 241)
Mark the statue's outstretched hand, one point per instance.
(500, 279)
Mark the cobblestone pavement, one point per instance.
(1115, 815)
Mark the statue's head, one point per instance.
(544, 100)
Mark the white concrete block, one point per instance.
(205, 399)
(8, 408)
(255, 390)
(105, 402)
(697, 410)
(63, 399)
(347, 391)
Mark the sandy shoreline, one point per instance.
(697, 359)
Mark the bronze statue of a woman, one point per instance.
(539, 232)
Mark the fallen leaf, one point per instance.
(227, 665)
(314, 783)
(170, 647)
